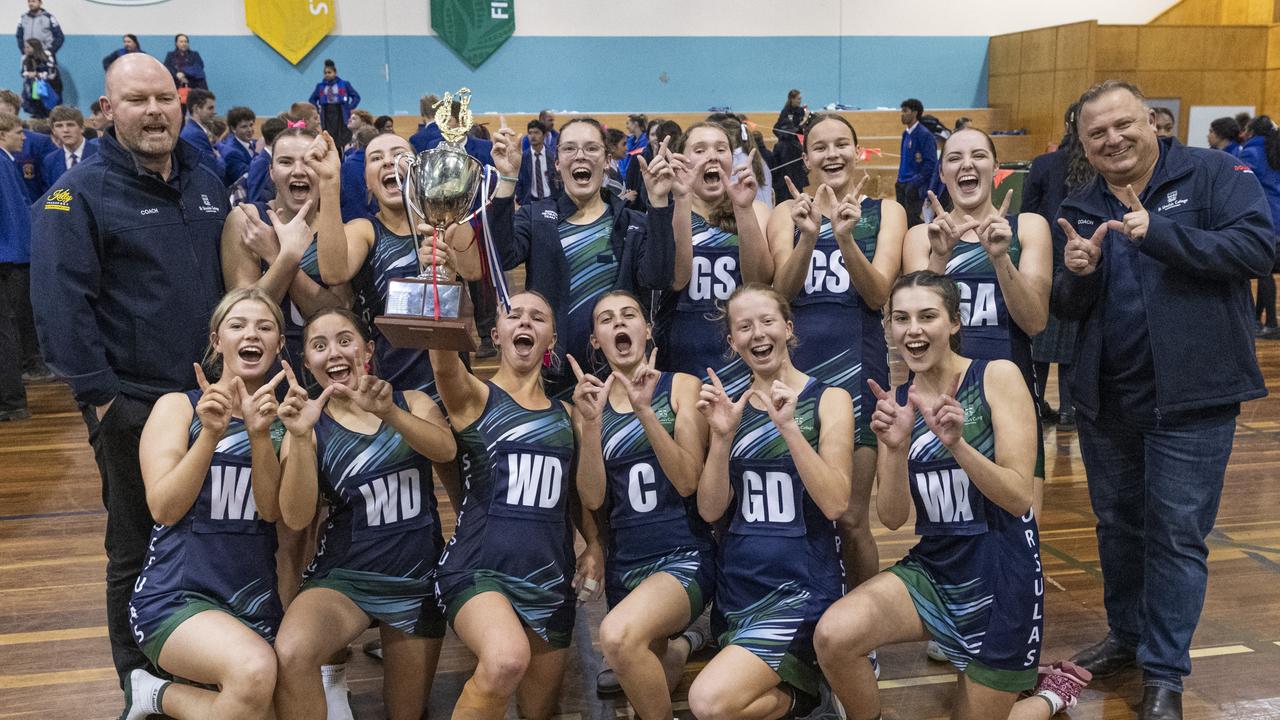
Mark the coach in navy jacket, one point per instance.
(125, 273)
(1160, 251)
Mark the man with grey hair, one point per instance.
(1160, 250)
(125, 274)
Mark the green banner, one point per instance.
(474, 29)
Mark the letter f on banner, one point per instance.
(291, 27)
(474, 29)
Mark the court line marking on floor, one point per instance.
(39, 636)
(63, 677)
(1221, 650)
(45, 516)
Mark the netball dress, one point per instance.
(691, 338)
(513, 534)
(381, 542)
(220, 556)
(841, 338)
(652, 528)
(779, 564)
(975, 575)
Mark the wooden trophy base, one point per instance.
(410, 331)
(410, 322)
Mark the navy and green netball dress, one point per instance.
(652, 529)
(593, 271)
(780, 565)
(842, 339)
(513, 534)
(975, 575)
(392, 257)
(987, 331)
(381, 542)
(220, 556)
(690, 339)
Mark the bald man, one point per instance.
(125, 274)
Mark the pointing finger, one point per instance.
(791, 186)
(1004, 206)
(857, 189)
(577, 369)
(653, 357)
(937, 206)
(1135, 205)
(715, 379)
(879, 392)
(288, 372)
(1069, 229)
(237, 387)
(1098, 235)
(201, 380)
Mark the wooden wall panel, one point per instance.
(1189, 12)
(1219, 12)
(1271, 93)
(1067, 86)
(1169, 83)
(1115, 47)
(1039, 50)
(1231, 88)
(1171, 48)
(1037, 112)
(1074, 46)
(1235, 48)
(1004, 54)
(1273, 47)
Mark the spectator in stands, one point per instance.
(359, 118)
(35, 146)
(793, 116)
(429, 136)
(480, 131)
(1161, 248)
(384, 124)
(201, 110)
(239, 148)
(68, 129)
(550, 137)
(41, 83)
(130, 46)
(637, 140)
(15, 259)
(217, 130)
(788, 154)
(335, 98)
(1223, 134)
(41, 25)
(356, 200)
(615, 142)
(258, 187)
(538, 175)
(185, 65)
(736, 127)
(96, 121)
(917, 164)
(963, 122)
(304, 112)
(1242, 121)
(1164, 121)
(637, 193)
(1261, 152)
(1052, 178)
(125, 274)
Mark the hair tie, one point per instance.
(297, 124)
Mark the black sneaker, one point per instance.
(1047, 414)
(1067, 421)
(1269, 332)
(37, 375)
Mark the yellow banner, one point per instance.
(291, 27)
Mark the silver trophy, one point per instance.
(439, 187)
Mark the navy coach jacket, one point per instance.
(1209, 234)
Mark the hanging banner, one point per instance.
(474, 29)
(291, 27)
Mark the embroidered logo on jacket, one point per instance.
(59, 199)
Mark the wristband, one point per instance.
(508, 178)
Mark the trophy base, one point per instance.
(424, 333)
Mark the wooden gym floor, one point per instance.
(57, 663)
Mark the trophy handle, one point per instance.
(410, 162)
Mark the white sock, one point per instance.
(145, 691)
(334, 680)
(1055, 703)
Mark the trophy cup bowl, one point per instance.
(432, 310)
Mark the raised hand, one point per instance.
(371, 394)
(781, 405)
(214, 407)
(1135, 222)
(658, 174)
(994, 232)
(324, 159)
(722, 414)
(892, 423)
(742, 187)
(299, 413)
(256, 235)
(591, 394)
(259, 408)
(944, 416)
(506, 152)
(848, 212)
(1081, 256)
(641, 384)
(294, 236)
(804, 211)
(686, 173)
(944, 232)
